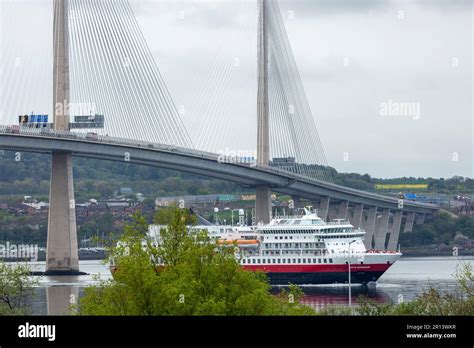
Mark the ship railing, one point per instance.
(354, 231)
(288, 216)
(339, 222)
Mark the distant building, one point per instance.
(115, 202)
(140, 197)
(197, 199)
(126, 191)
(36, 205)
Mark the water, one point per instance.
(406, 279)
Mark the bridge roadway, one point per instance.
(196, 162)
(380, 216)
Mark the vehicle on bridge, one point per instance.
(14, 129)
(92, 136)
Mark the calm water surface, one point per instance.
(406, 279)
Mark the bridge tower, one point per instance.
(263, 203)
(61, 256)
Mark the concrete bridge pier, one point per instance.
(381, 231)
(356, 220)
(338, 211)
(369, 226)
(332, 213)
(409, 221)
(342, 210)
(395, 231)
(263, 205)
(61, 255)
(323, 208)
(420, 219)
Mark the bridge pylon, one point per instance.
(61, 254)
(263, 203)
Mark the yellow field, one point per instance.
(400, 186)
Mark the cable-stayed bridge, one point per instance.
(100, 57)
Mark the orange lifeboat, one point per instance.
(249, 243)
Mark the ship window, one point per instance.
(299, 260)
(283, 260)
(291, 237)
(325, 260)
(294, 260)
(304, 260)
(278, 260)
(330, 260)
(319, 260)
(274, 261)
(263, 260)
(314, 260)
(243, 261)
(286, 237)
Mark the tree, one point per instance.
(465, 225)
(15, 285)
(184, 274)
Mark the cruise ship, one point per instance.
(304, 249)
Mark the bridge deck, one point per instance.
(193, 161)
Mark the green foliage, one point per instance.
(185, 274)
(175, 239)
(442, 229)
(93, 179)
(335, 310)
(101, 179)
(15, 285)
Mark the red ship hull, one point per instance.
(320, 274)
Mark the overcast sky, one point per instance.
(353, 56)
(356, 59)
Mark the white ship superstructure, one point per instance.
(303, 249)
